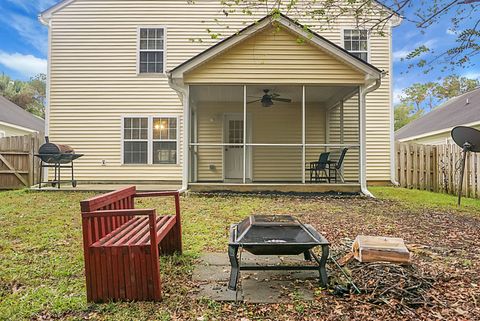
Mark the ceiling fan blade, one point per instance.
(254, 101)
(285, 100)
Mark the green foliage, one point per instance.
(404, 114)
(420, 98)
(30, 95)
(417, 200)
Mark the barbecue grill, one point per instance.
(59, 157)
(275, 235)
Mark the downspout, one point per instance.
(183, 93)
(363, 147)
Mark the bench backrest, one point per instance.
(98, 227)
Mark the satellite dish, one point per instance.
(469, 140)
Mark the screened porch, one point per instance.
(256, 134)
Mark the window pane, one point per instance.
(135, 152)
(151, 44)
(143, 44)
(363, 34)
(143, 67)
(164, 152)
(355, 45)
(143, 33)
(159, 33)
(156, 128)
(363, 45)
(151, 33)
(348, 45)
(159, 44)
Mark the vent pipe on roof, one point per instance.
(467, 102)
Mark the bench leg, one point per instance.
(177, 237)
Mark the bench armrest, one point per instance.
(125, 212)
(155, 194)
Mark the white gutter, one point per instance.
(184, 93)
(363, 139)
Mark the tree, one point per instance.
(419, 98)
(375, 15)
(420, 95)
(404, 114)
(30, 95)
(453, 86)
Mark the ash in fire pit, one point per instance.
(275, 235)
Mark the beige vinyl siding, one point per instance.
(94, 79)
(275, 54)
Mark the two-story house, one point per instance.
(181, 91)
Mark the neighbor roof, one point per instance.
(16, 115)
(288, 23)
(461, 110)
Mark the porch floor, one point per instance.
(276, 187)
(107, 187)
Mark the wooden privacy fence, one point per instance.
(436, 168)
(17, 161)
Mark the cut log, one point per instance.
(344, 260)
(380, 249)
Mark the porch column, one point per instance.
(244, 134)
(186, 138)
(303, 134)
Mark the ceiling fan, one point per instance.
(268, 99)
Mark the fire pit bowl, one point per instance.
(275, 235)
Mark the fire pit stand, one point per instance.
(275, 235)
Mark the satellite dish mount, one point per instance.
(469, 140)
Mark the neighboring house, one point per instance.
(133, 88)
(434, 128)
(16, 121)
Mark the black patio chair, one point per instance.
(318, 170)
(336, 167)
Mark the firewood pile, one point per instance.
(403, 287)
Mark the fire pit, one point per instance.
(275, 235)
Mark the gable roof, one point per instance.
(461, 110)
(291, 25)
(47, 14)
(15, 115)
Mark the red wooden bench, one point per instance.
(122, 245)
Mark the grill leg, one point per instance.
(59, 170)
(233, 255)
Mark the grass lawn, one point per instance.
(41, 258)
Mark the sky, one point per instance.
(24, 46)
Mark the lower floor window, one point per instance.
(150, 140)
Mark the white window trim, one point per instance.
(165, 47)
(150, 139)
(3, 134)
(357, 51)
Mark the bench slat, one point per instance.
(136, 232)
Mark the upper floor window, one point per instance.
(152, 50)
(356, 42)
